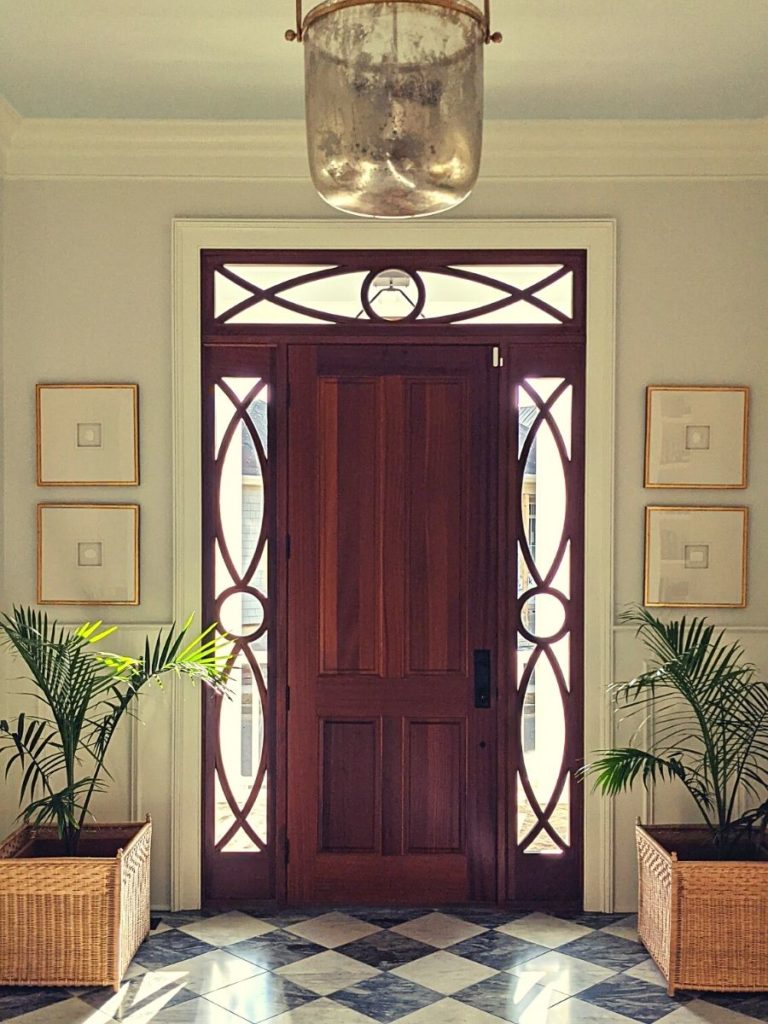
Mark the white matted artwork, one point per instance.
(87, 554)
(696, 436)
(87, 434)
(696, 557)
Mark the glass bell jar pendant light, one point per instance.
(394, 102)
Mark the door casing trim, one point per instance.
(598, 238)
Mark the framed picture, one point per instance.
(696, 436)
(87, 554)
(696, 557)
(87, 434)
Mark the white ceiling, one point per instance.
(226, 59)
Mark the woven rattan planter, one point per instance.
(73, 920)
(705, 923)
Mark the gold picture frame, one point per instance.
(696, 556)
(696, 436)
(87, 435)
(87, 554)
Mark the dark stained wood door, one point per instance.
(391, 589)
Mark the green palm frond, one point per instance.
(36, 748)
(617, 770)
(87, 692)
(62, 808)
(709, 717)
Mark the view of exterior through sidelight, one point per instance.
(242, 601)
(543, 643)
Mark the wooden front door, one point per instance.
(392, 727)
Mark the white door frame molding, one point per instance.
(598, 238)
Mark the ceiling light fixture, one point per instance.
(394, 102)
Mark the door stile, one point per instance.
(506, 474)
(300, 647)
(391, 633)
(392, 636)
(484, 731)
(208, 611)
(575, 735)
(281, 402)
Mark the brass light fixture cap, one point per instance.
(329, 6)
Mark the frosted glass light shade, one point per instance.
(394, 104)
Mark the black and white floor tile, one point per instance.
(458, 965)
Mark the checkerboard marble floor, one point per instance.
(418, 966)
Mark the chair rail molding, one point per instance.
(598, 238)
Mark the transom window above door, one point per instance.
(542, 292)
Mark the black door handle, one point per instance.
(482, 661)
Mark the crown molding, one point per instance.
(268, 150)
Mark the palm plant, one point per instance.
(61, 755)
(710, 728)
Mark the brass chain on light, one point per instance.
(297, 34)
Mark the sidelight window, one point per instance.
(242, 612)
(545, 411)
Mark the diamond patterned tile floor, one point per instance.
(444, 972)
(495, 949)
(357, 965)
(511, 998)
(276, 949)
(169, 947)
(439, 930)
(386, 949)
(327, 972)
(633, 997)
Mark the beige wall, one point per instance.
(87, 295)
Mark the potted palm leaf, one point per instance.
(703, 888)
(74, 894)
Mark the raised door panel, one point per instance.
(350, 526)
(350, 786)
(436, 783)
(436, 517)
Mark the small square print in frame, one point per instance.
(696, 436)
(87, 434)
(87, 554)
(696, 557)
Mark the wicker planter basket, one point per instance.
(705, 923)
(73, 920)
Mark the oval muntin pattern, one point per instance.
(541, 805)
(260, 300)
(539, 797)
(226, 451)
(235, 576)
(544, 417)
(240, 811)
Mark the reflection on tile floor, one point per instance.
(457, 965)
